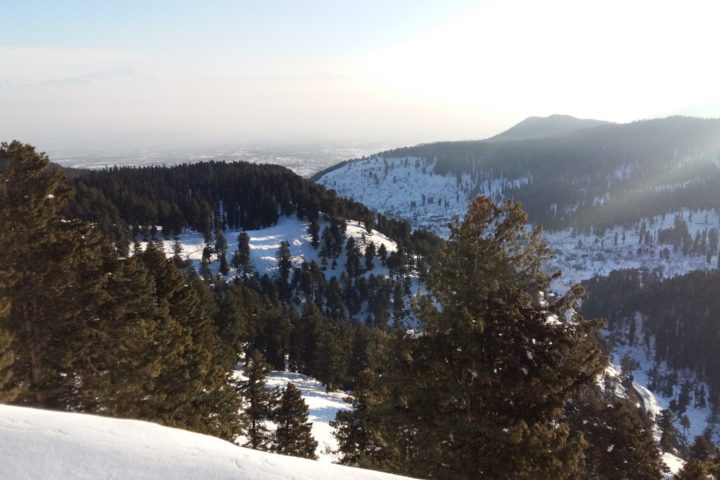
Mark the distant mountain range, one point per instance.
(566, 172)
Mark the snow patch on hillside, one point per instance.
(40, 444)
(404, 187)
(409, 188)
(264, 244)
(581, 256)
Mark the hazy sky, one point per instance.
(392, 71)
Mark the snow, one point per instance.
(582, 256)
(40, 444)
(396, 186)
(674, 463)
(654, 402)
(649, 400)
(264, 244)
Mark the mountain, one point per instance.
(539, 127)
(589, 178)
(40, 444)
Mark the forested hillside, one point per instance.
(587, 178)
(213, 195)
(679, 321)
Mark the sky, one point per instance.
(396, 72)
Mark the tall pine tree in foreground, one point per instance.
(481, 392)
(57, 275)
(293, 435)
(96, 332)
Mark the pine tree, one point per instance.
(196, 390)
(619, 437)
(481, 392)
(314, 230)
(7, 353)
(361, 431)
(293, 435)
(232, 317)
(284, 260)
(382, 253)
(259, 402)
(221, 250)
(398, 303)
(8, 393)
(241, 259)
(668, 438)
(306, 334)
(699, 470)
(58, 271)
(701, 448)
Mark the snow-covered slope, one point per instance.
(264, 244)
(408, 188)
(643, 352)
(42, 445)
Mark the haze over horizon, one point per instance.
(183, 74)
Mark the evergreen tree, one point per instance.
(154, 353)
(382, 253)
(57, 275)
(619, 438)
(361, 442)
(481, 392)
(701, 448)
(7, 353)
(259, 402)
(369, 256)
(699, 470)
(352, 264)
(398, 303)
(7, 358)
(241, 259)
(232, 317)
(221, 250)
(284, 262)
(314, 231)
(293, 435)
(669, 436)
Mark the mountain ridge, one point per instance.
(541, 127)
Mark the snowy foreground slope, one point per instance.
(40, 444)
